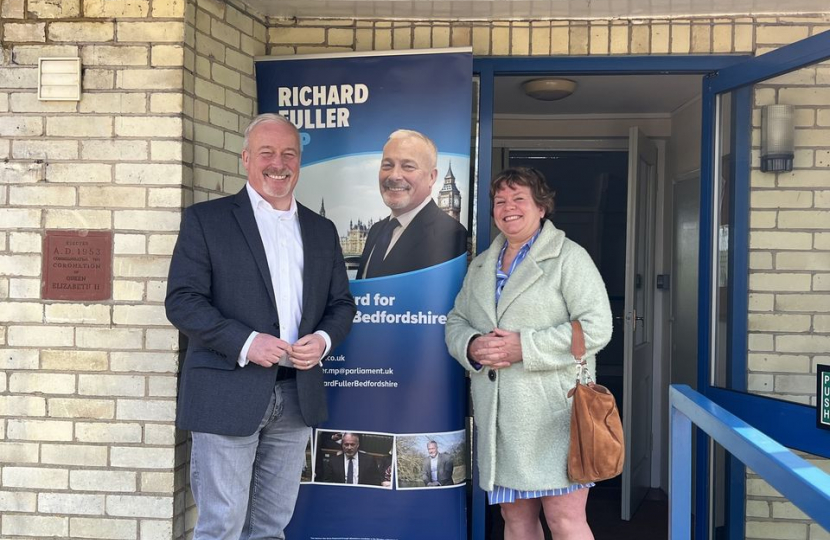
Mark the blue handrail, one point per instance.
(805, 485)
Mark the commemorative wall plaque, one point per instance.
(77, 265)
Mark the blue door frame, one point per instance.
(487, 69)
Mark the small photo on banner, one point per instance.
(354, 459)
(431, 460)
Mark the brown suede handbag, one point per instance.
(597, 449)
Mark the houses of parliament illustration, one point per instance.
(449, 200)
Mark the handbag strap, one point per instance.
(583, 375)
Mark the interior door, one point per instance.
(638, 322)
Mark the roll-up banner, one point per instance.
(386, 136)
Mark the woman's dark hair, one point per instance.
(524, 176)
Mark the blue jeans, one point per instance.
(246, 487)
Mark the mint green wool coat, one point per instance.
(523, 416)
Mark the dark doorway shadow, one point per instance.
(650, 522)
(591, 192)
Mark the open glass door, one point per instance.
(763, 261)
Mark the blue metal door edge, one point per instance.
(741, 124)
(781, 420)
(736, 495)
(704, 306)
(778, 62)
(485, 155)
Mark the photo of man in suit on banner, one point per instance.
(431, 461)
(437, 468)
(418, 234)
(352, 466)
(353, 458)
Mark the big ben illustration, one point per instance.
(449, 198)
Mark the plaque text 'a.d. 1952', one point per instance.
(77, 265)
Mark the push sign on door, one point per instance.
(823, 405)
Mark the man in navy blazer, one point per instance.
(258, 285)
(421, 234)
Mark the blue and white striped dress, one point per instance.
(502, 494)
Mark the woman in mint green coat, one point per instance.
(511, 329)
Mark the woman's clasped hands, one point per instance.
(497, 349)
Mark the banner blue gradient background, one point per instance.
(430, 93)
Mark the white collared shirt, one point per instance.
(356, 469)
(283, 243)
(403, 222)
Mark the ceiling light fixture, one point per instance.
(549, 89)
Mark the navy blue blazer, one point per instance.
(432, 237)
(219, 290)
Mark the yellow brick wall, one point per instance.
(87, 398)
(87, 443)
(221, 44)
(87, 389)
(770, 515)
(518, 38)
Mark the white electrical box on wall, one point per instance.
(59, 79)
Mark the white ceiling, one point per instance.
(531, 9)
(602, 95)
